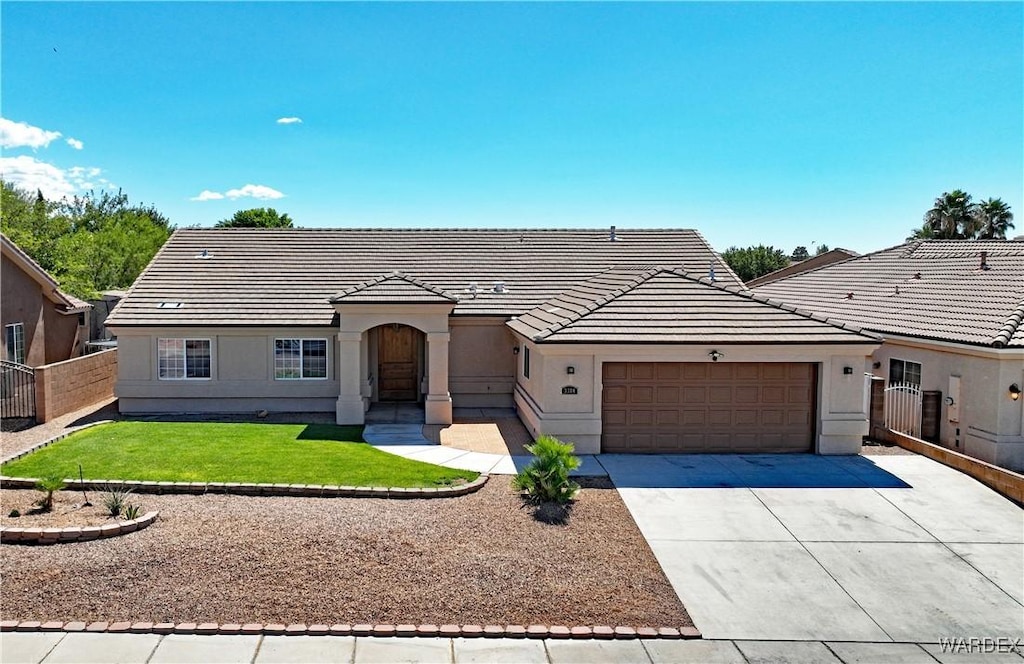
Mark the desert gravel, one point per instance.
(478, 559)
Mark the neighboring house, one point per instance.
(615, 341)
(950, 312)
(41, 324)
(814, 262)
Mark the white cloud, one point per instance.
(75, 143)
(23, 135)
(207, 195)
(289, 120)
(31, 174)
(56, 183)
(254, 191)
(257, 191)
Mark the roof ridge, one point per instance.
(748, 294)
(394, 274)
(595, 304)
(1009, 328)
(718, 256)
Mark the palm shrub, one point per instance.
(48, 485)
(546, 478)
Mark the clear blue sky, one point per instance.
(781, 124)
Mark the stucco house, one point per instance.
(634, 341)
(41, 323)
(951, 314)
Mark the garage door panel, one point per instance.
(616, 394)
(708, 407)
(668, 395)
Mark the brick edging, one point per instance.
(445, 631)
(9, 535)
(250, 489)
(51, 441)
(235, 488)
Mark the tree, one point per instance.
(753, 262)
(256, 218)
(821, 249)
(89, 244)
(954, 217)
(993, 219)
(800, 254)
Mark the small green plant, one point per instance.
(48, 486)
(14, 514)
(546, 478)
(115, 500)
(130, 511)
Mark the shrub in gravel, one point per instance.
(546, 478)
(48, 486)
(130, 511)
(115, 500)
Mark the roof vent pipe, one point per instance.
(499, 286)
(711, 271)
(611, 234)
(984, 260)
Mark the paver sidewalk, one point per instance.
(52, 647)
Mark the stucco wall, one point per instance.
(71, 385)
(49, 335)
(990, 423)
(841, 418)
(242, 373)
(481, 363)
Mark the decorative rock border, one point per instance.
(249, 489)
(445, 631)
(236, 488)
(75, 533)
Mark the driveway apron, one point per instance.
(806, 547)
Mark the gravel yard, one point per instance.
(479, 559)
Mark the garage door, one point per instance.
(708, 407)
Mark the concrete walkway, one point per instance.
(79, 648)
(804, 547)
(407, 440)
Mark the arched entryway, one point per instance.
(398, 363)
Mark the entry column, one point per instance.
(438, 403)
(350, 408)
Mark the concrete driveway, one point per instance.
(804, 547)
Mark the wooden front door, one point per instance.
(397, 355)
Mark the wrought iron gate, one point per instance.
(17, 396)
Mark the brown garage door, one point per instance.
(708, 407)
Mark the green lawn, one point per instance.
(229, 452)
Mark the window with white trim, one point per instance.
(300, 359)
(904, 371)
(184, 359)
(14, 335)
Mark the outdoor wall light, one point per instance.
(949, 401)
(515, 350)
(570, 370)
(715, 355)
(1015, 391)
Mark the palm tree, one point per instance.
(992, 219)
(951, 217)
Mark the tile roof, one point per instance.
(288, 276)
(394, 288)
(934, 289)
(661, 305)
(827, 258)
